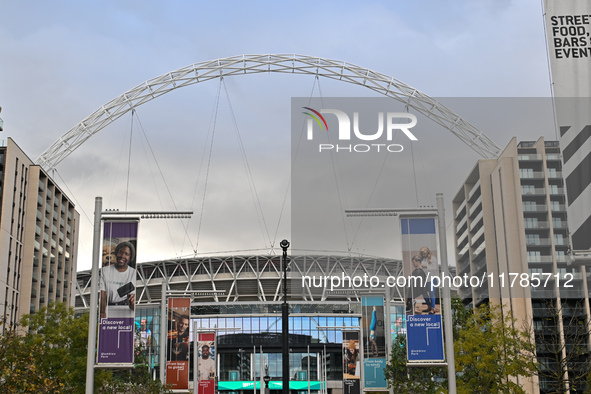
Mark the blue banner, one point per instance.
(424, 338)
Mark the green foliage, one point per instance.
(48, 353)
(490, 352)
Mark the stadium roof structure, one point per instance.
(254, 278)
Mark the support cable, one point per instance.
(213, 123)
(338, 176)
(250, 178)
(129, 158)
(160, 172)
(119, 161)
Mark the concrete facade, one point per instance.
(510, 219)
(38, 238)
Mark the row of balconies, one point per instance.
(540, 191)
(544, 208)
(547, 259)
(540, 175)
(545, 242)
(538, 157)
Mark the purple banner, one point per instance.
(116, 340)
(117, 285)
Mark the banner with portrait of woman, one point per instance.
(351, 362)
(424, 329)
(374, 342)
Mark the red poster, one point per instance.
(206, 367)
(178, 347)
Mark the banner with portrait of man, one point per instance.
(206, 367)
(178, 346)
(117, 293)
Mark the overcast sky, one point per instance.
(60, 61)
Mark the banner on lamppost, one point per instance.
(206, 366)
(568, 28)
(374, 339)
(424, 329)
(178, 349)
(351, 362)
(117, 293)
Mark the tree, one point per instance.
(18, 370)
(47, 354)
(490, 353)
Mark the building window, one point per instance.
(533, 256)
(532, 239)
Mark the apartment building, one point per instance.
(510, 227)
(38, 237)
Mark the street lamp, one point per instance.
(439, 212)
(285, 321)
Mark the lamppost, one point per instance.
(448, 329)
(285, 321)
(96, 243)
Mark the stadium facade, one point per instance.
(244, 295)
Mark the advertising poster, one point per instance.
(206, 367)
(178, 347)
(351, 362)
(374, 338)
(424, 331)
(568, 29)
(117, 293)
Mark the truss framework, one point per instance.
(255, 64)
(249, 278)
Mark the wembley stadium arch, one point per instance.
(267, 63)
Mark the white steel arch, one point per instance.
(254, 64)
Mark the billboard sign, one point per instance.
(568, 30)
(117, 293)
